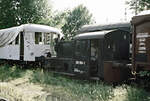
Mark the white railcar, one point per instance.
(28, 41)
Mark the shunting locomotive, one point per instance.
(96, 52)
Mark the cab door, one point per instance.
(95, 57)
(82, 57)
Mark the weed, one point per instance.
(76, 89)
(9, 73)
(137, 94)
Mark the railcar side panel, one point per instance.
(26, 42)
(11, 52)
(41, 50)
(32, 50)
(29, 46)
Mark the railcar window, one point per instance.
(50, 38)
(47, 38)
(10, 43)
(17, 40)
(38, 37)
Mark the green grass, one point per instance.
(68, 89)
(80, 90)
(137, 94)
(74, 89)
(10, 72)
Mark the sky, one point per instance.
(103, 11)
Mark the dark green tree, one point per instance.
(75, 19)
(16, 12)
(139, 5)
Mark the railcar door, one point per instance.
(21, 46)
(82, 57)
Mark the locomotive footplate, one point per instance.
(59, 64)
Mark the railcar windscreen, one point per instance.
(45, 38)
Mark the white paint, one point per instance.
(143, 35)
(142, 52)
(8, 35)
(10, 52)
(80, 62)
(142, 44)
(29, 42)
(31, 50)
(142, 48)
(142, 39)
(78, 71)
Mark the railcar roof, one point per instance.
(141, 17)
(32, 28)
(93, 28)
(9, 34)
(92, 35)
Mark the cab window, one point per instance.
(38, 37)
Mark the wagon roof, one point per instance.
(92, 35)
(9, 34)
(93, 28)
(141, 17)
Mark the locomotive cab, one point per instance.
(95, 51)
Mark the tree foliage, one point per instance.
(56, 19)
(76, 18)
(139, 5)
(69, 20)
(16, 12)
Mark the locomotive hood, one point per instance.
(8, 35)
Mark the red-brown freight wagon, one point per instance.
(141, 42)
